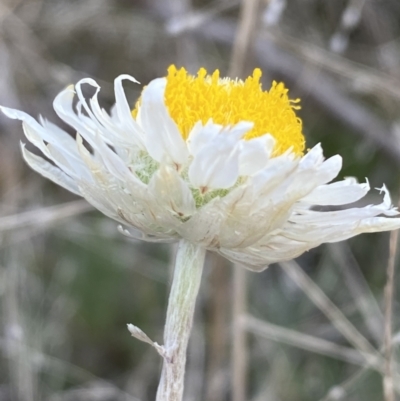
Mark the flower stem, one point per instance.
(185, 286)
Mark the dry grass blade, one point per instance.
(303, 341)
(340, 391)
(338, 319)
(388, 386)
(369, 79)
(244, 36)
(44, 216)
(23, 380)
(359, 289)
(372, 357)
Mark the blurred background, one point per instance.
(308, 330)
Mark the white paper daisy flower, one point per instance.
(217, 162)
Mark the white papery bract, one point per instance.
(215, 187)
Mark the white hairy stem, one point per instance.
(185, 287)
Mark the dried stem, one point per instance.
(243, 39)
(239, 354)
(388, 386)
(244, 36)
(185, 287)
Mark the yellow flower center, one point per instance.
(190, 99)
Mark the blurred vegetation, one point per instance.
(70, 282)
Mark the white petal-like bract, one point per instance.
(214, 187)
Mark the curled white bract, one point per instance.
(215, 188)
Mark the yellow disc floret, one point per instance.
(190, 99)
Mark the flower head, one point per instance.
(216, 161)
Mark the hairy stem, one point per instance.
(185, 286)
